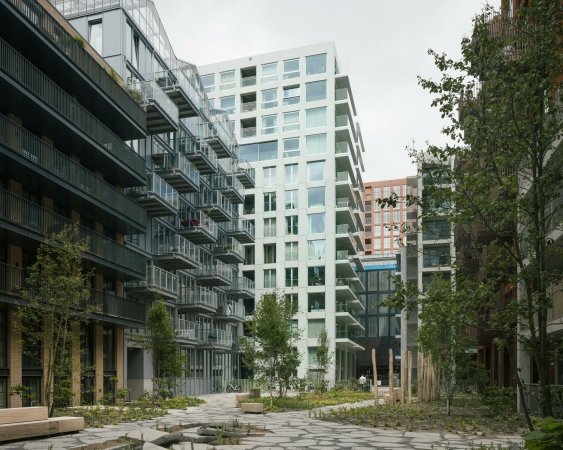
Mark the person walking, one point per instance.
(362, 382)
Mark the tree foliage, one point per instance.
(324, 358)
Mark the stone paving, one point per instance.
(289, 430)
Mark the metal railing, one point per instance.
(43, 88)
(248, 132)
(193, 295)
(151, 92)
(240, 225)
(216, 337)
(342, 307)
(340, 94)
(343, 203)
(168, 245)
(61, 38)
(44, 222)
(176, 79)
(197, 147)
(186, 329)
(177, 161)
(156, 278)
(39, 152)
(215, 268)
(226, 181)
(243, 284)
(230, 245)
(346, 334)
(248, 81)
(248, 107)
(214, 199)
(241, 166)
(159, 187)
(197, 219)
(230, 308)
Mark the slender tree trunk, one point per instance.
(520, 387)
(271, 384)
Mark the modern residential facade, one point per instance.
(294, 116)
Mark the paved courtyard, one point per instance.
(288, 431)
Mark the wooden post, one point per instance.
(391, 383)
(403, 375)
(409, 380)
(375, 388)
(420, 375)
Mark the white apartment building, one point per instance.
(295, 119)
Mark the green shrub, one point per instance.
(499, 401)
(548, 437)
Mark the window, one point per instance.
(316, 223)
(316, 197)
(269, 201)
(291, 277)
(377, 206)
(291, 173)
(377, 243)
(397, 190)
(316, 171)
(249, 152)
(270, 227)
(269, 278)
(208, 82)
(317, 278)
(386, 191)
(315, 117)
(377, 193)
(292, 225)
(269, 176)
(386, 231)
(291, 95)
(396, 216)
(368, 219)
(291, 121)
(268, 150)
(269, 73)
(291, 69)
(269, 253)
(291, 148)
(270, 99)
(315, 64)
(315, 144)
(377, 230)
(269, 124)
(377, 218)
(292, 251)
(314, 327)
(291, 199)
(404, 215)
(386, 242)
(294, 323)
(368, 206)
(315, 91)
(405, 190)
(227, 80)
(387, 217)
(95, 37)
(312, 356)
(316, 249)
(368, 231)
(228, 104)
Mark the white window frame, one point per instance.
(271, 129)
(269, 78)
(271, 103)
(225, 86)
(292, 73)
(293, 153)
(291, 99)
(291, 126)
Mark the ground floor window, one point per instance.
(33, 396)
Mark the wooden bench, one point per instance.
(252, 407)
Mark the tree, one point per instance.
(159, 341)
(54, 298)
(269, 351)
(503, 104)
(324, 357)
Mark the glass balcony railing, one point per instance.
(216, 337)
(229, 308)
(176, 79)
(197, 148)
(44, 222)
(343, 203)
(240, 225)
(341, 121)
(243, 284)
(214, 199)
(167, 245)
(343, 229)
(342, 177)
(342, 307)
(341, 147)
(226, 181)
(215, 268)
(436, 260)
(340, 94)
(248, 107)
(346, 282)
(248, 81)
(192, 295)
(346, 334)
(186, 329)
(156, 186)
(342, 255)
(156, 278)
(197, 219)
(176, 162)
(150, 92)
(48, 92)
(42, 154)
(248, 132)
(230, 245)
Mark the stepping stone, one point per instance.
(146, 434)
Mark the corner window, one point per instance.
(316, 249)
(315, 64)
(227, 80)
(291, 69)
(316, 171)
(315, 91)
(316, 223)
(269, 73)
(315, 117)
(228, 104)
(315, 144)
(95, 36)
(291, 148)
(291, 95)
(270, 99)
(208, 82)
(269, 124)
(291, 121)
(316, 197)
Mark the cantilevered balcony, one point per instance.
(229, 311)
(162, 113)
(215, 205)
(199, 153)
(177, 171)
(344, 186)
(229, 250)
(344, 160)
(242, 287)
(197, 299)
(345, 290)
(158, 197)
(177, 86)
(186, 330)
(218, 134)
(345, 213)
(344, 267)
(347, 338)
(344, 238)
(245, 173)
(197, 227)
(175, 252)
(214, 274)
(157, 281)
(229, 185)
(348, 316)
(213, 338)
(241, 229)
(32, 221)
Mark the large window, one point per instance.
(316, 171)
(208, 82)
(314, 327)
(316, 197)
(95, 37)
(264, 151)
(291, 171)
(269, 253)
(312, 356)
(315, 91)
(291, 148)
(270, 124)
(269, 278)
(270, 99)
(228, 104)
(315, 117)
(291, 199)
(291, 121)
(269, 176)
(315, 64)
(316, 277)
(292, 251)
(316, 249)
(377, 193)
(270, 227)
(291, 95)
(227, 80)
(315, 144)
(269, 73)
(291, 277)
(316, 223)
(291, 69)
(292, 225)
(269, 201)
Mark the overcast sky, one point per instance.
(384, 42)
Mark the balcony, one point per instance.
(186, 330)
(199, 154)
(158, 197)
(33, 221)
(245, 173)
(229, 311)
(348, 316)
(438, 257)
(347, 338)
(33, 151)
(216, 135)
(345, 213)
(197, 227)
(344, 127)
(344, 186)
(175, 252)
(230, 251)
(177, 86)
(229, 185)
(215, 205)
(158, 281)
(345, 240)
(345, 156)
(213, 338)
(215, 274)
(241, 229)
(36, 99)
(248, 132)
(344, 268)
(247, 107)
(197, 299)
(242, 287)
(345, 290)
(248, 81)
(162, 113)
(177, 171)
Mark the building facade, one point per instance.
(294, 116)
